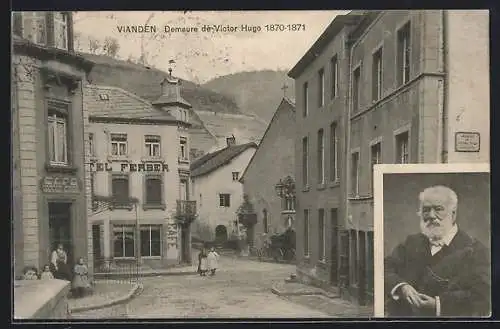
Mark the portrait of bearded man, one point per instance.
(441, 271)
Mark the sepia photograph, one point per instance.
(220, 164)
(435, 221)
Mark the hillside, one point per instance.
(145, 82)
(257, 92)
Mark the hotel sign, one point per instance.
(60, 184)
(467, 142)
(129, 167)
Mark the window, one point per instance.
(355, 174)
(376, 157)
(306, 99)
(305, 162)
(334, 175)
(335, 76)
(321, 157)
(321, 234)
(154, 190)
(402, 154)
(264, 221)
(118, 144)
(321, 87)
(120, 189)
(236, 175)
(354, 256)
(153, 145)
(225, 200)
(150, 240)
(61, 30)
(403, 55)
(183, 153)
(58, 135)
(355, 88)
(377, 75)
(104, 97)
(91, 144)
(124, 241)
(306, 233)
(33, 26)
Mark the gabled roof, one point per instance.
(286, 104)
(106, 102)
(324, 39)
(212, 161)
(246, 128)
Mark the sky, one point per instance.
(201, 56)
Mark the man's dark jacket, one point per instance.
(460, 274)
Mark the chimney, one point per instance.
(230, 141)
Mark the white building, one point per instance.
(217, 190)
(138, 156)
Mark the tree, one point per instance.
(111, 47)
(247, 217)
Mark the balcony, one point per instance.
(186, 211)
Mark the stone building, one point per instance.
(217, 190)
(273, 160)
(414, 96)
(48, 172)
(139, 162)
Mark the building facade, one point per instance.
(139, 163)
(217, 190)
(410, 98)
(49, 205)
(273, 160)
(321, 94)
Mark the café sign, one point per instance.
(467, 142)
(60, 184)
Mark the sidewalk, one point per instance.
(105, 294)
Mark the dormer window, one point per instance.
(49, 28)
(104, 97)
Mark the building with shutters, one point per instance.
(409, 93)
(48, 173)
(138, 157)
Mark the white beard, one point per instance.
(434, 233)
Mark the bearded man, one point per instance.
(440, 271)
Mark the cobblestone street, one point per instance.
(241, 288)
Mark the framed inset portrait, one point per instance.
(432, 240)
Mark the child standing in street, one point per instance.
(80, 281)
(212, 258)
(202, 262)
(46, 274)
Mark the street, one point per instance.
(240, 289)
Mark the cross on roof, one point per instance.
(284, 88)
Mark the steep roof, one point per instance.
(212, 161)
(286, 104)
(324, 39)
(246, 128)
(106, 102)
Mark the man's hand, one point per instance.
(410, 295)
(427, 302)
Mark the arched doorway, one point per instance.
(220, 233)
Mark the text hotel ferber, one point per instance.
(129, 167)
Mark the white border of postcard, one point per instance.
(378, 223)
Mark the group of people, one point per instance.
(59, 269)
(207, 261)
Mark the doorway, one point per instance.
(96, 245)
(220, 233)
(362, 268)
(60, 228)
(334, 243)
(185, 244)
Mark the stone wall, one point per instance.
(41, 299)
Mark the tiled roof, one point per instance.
(114, 102)
(246, 128)
(217, 159)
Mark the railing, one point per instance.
(125, 271)
(186, 208)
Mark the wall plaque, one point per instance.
(60, 184)
(467, 142)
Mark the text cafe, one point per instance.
(129, 167)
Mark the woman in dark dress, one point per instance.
(59, 263)
(202, 262)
